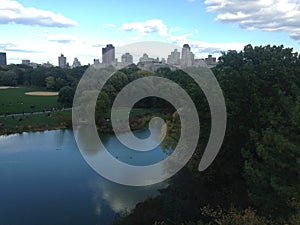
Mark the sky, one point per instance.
(42, 30)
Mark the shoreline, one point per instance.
(139, 123)
(30, 129)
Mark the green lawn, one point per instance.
(14, 100)
(42, 121)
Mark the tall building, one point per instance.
(127, 59)
(199, 63)
(26, 62)
(211, 61)
(145, 58)
(108, 54)
(62, 61)
(174, 58)
(3, 59)
(187, 57)
(47, 65)
(76, 63)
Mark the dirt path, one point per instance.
(41, 93)
(5, 87)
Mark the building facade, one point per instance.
(108, 54)
(3, 61)
(211, 61)
(199, 63)
(76, 63)
(187, 57)
(145, 58)
(127, 59)
(174, 58)
(26, 62)
(62, 61)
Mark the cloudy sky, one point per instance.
(42, 30)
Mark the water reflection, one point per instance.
(121, 198)
(92, 148)
(41, 185)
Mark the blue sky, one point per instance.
(42, 30)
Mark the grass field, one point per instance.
(35, 121)
(14, 100)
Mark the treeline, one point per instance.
(255, 178)
(53, 78)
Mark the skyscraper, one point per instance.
(108, 54)
(76, 63)
(2, 58)
(211, 61)
(127, 59)
(26, 62)
(187, 57)
(174, 58)
(62, 61)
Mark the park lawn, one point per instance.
(42, 121)
(14, 100)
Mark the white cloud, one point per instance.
(62, 38)
(176, 39)
(266, 15)
(156, 26)
(200, 47)
(147, 27)
(13, 12)
(47, 48)
(10, 47)
(108, 25)
(295, 36)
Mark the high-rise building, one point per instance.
(145, 58)
(199, 63)
(3, 59)
(62, 61)
(211, 61)
(108, 54)
(47, 65)
(26, 62)
(174, 58)
(76, 63)
(187, 57)
(127, 59)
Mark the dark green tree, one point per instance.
(66, 95)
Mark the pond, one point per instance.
(45, 180)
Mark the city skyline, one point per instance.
(41, 30)
(184, 59)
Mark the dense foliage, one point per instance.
(53, 78)
(259, 163)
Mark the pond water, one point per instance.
(44, 180)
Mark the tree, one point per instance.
(50, 82)
(272, 167)
(259, 162)
(66, 95)
(103, 105)
(261, 87)
(9, 78)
